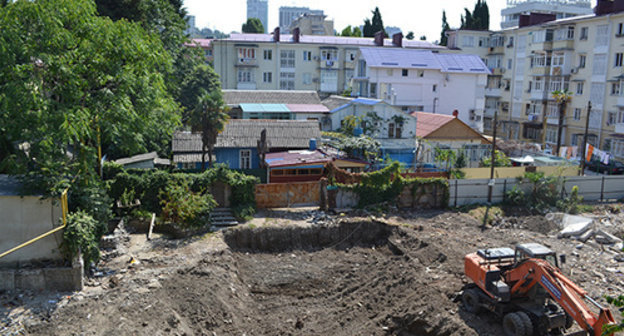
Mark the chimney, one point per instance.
(603, 7)
(296, 33)
(455, 113)
(397, 39)
(379, 38)
(535, 19)
(276, 34)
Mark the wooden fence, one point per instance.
(283, 195)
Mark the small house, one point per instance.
(305, 165)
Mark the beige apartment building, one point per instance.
(325, 64)
(583, 54)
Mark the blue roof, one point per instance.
(366, 101)
(264, 108)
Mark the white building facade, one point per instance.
(560, 8)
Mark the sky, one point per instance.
(423, 17)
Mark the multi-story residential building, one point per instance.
(421, 80)
(560, 8)
(288, 14)
(313, 24)
(325, 64)
(259, 9)
(581, 54)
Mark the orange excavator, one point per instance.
(528, 290)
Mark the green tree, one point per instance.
(445, 28)
(209, 116)
(253, 26)
(423, 38)
(446, 157)
(562, 97)
(478, 19)
(351, 31)
(410, 35)
(501, 160)
(371, 27)
(617, 302)
(201, 80)
(73, 80)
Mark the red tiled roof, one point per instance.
(427, 123)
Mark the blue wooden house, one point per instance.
(237, 145)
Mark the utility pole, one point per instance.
(589, 106)
(493, 163)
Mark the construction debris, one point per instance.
(574, 226)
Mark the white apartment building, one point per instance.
(560, 8)
(325, 64)
(259, 9)
(422, 80)
(583, 54)
(289, 14)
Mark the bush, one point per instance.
(94, 201)
(572, 204)
(185, 208)
(81, 235)
(515, 196)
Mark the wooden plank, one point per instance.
(151, 227)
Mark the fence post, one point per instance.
(602, 190)
(456, 193)
(504, 189)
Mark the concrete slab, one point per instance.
(574, 225)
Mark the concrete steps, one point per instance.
(222, 217)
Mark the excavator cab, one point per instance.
(535, 251)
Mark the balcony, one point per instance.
(619, 128)
(489, 112)
(540, 71)
(497, 50)
(563, 44)
(539, 95)
(620, 101)
(554, 121)
(251, 62)
(329, 64)
(493, 92)
(497, 71)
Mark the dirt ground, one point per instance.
(300, 272)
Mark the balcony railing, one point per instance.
(619, 128)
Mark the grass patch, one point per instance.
(479, 213)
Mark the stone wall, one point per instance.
(57, 279)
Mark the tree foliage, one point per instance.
(72, 80)
(501, 160)
(209, 116)
(374, 25)
(445, 28)
(253, 26)
(478, 19)
(351, 31)
(410, 35)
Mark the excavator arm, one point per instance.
(568, 295)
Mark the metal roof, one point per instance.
(244, 133)
(264, 108)
(331, 40)
(307, 108)
(423, 59)
(296, 157)
(333, 102)
(236, 97)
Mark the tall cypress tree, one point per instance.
(367, 30)
(377, 22)
(445, 28)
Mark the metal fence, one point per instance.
(592, 188)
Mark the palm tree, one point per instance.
(209, 116)
(562, 97)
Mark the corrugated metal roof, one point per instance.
(307, 108)
(366, 101)
(241, 133)
(423, 59)
(333, 102)
(331, 40)
(264, 108)
(236, 97)
(137, 158)
(296, 157)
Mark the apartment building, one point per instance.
(583, 54)
(259, 9)
(421, 80)
(288, 14)
(325, 64)
(313, 24)
(560, 8)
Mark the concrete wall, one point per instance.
(58, 279)
(24, 218)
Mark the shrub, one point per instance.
(515, 196)
(185, 208)
(81, 235)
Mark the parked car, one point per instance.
(613, 168)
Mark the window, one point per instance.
(539, 84)
(468, 41)
(351, 56)
(579, 88)
(564, 34)
(577, 114)
(434, 88)
(245, 159)
(600, 65)
(602, 36)
(287, 81)
(618, 59)
(557, 59)
(287, 59)
(615, 89)
(551, 135)
(540, 60)
(245, 76)
(511, 42)
(373, 90)
(611, 118)
(404, 72)
(268, 55)
(307, 78)
(329, 55)
(267, 77)
(246, 53)
(620, 30)
(394, 130)
(509, 64)
(584, 33)
(307, 55)
(582, 60)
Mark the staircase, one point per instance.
(222, 218)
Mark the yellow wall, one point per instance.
(510, 172)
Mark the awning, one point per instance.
(260, 108)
